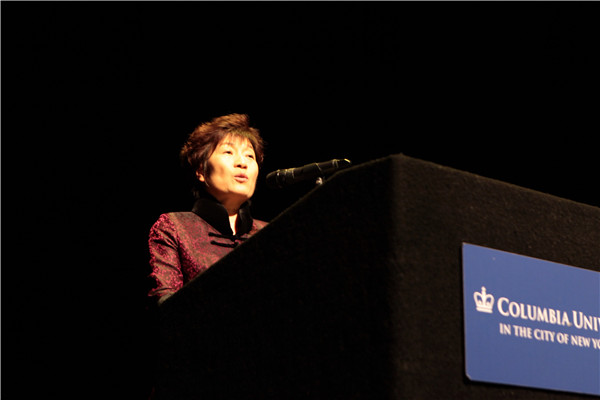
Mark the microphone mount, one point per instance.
(317, 171)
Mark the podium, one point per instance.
(355, 291)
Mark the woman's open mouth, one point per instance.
(241, 178)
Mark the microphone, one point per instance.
(289, 176)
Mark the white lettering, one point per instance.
(552, 316)
(587, 322)
(546, 336)
(562, 337)
(531, 312)
(565, 319)
(514, 309)
(580, 341)
(543, 315)
(501, 301)
(522, 331)
(578, 323)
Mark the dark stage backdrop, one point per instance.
(98, 97)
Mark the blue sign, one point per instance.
(530, 322)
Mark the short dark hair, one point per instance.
(203, 141)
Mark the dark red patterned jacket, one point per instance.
(185, 244)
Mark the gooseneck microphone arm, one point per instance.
(316, 171)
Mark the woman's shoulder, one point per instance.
(177, 218)
(182, 225)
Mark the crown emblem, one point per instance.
(483, 301)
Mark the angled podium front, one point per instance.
(355, 292)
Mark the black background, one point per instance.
(97, 99)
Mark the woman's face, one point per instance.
(232, 172)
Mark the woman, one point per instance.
(223, 157)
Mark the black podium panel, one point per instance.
(355, 292)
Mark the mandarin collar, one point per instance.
(209, 209)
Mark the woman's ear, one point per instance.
(200, 176)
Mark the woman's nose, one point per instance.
(240, 162)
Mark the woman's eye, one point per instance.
(251, 156)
